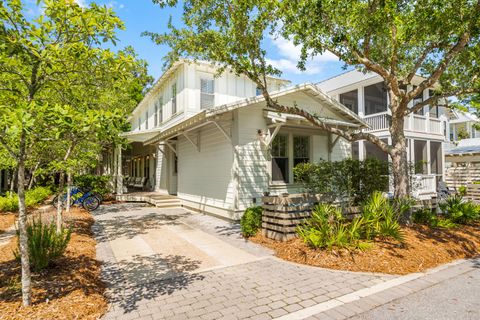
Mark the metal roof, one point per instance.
(464, 150)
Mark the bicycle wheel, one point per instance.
(64, 201)
(91, 203)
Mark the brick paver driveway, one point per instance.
(172, 264)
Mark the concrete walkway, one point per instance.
(171, 264)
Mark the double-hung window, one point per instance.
(287, 152)
(146, 120)
(139, 123)
(207, 93)
(301, 150)
(280, 158)
(174, 98)
(155, 115)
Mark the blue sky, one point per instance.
(143, 15)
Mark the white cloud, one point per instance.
(290, 54)
(81, 3)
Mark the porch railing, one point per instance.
(425, 183)
(379, 121)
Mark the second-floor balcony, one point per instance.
(414, 123)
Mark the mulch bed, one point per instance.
(6, 221)
(424, 248)
(71, 289)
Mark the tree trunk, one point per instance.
(32, 177)
(399, 158)
(61, 185)
(22, 225)
(69, 187)
(14, 175)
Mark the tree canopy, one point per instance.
(438, 40)
(63, 94)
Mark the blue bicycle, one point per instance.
(89, 200)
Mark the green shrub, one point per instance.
(36, 195)
(381, 218)
(251, 221)
(9, 203)
(462, 190)
(45, 245)
(423, 216)
(98, 184)
(458, 210)
(349, 180)
(327, 228)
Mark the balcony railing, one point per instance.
(379, 122)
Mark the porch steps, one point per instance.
(158, 200)
(166, 202)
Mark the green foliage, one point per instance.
(424, 216)
(327, 228)
(45, 245)
(462, 190)
(381, 218)
(352, 181)
(98, 184)
(36, 195)
(9, 203)
(458, 210)
(251, 221)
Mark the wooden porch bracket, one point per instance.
(196, 145)
(223, 131)
(273, 135)
(171, 147)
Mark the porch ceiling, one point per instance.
(140, 136)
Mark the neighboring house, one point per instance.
(213, 143)
(462, 154)
(366, 95)
(462, 126)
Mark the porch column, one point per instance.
(158, 170)
(119, 177)
(429, 158)
(361, 150)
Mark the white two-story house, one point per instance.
(211, 140)
(426, 130)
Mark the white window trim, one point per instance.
(290, 136)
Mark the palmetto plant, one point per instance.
(381, 218)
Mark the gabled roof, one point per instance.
(172, 70)
(458, 116)
(208, 115)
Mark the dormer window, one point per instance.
(174, 98)
(207, 93)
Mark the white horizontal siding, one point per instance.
(205, 176)
(253, 164)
